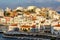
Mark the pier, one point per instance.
(23, 35)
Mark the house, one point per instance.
(2, 20)
(7, 9)
(9, 20)
(2, 12)
(15, 19)
(56, 28)
(37, 10)
(33, 28)
(46, 29)
(25, 28)
(19, 9)
(12, 26)
(31, 7)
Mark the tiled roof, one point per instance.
(58, 25)
(25, 26)
(13, 24)
(33, 26)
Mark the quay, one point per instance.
(30, 35)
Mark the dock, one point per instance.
(30, 35)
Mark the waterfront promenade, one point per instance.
(30, 35)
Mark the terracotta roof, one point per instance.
(33, 18)
(33, 26)
(58, 25)
(25, 26)
(13, 24)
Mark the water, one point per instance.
(1, 38)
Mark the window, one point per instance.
(28, 28)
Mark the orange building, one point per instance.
(25, 28)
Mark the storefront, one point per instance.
(25, 28)
(12, 27)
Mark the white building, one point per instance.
(12, 26)
(31, 7)
(46, 23)
(38, 23)
(53, 14)
(7, 9)
(15, 19)
(1, 12)
(11, 21)
(3, 20)
(56, 28)
(20, 8)
(37, 10)
(54, 23)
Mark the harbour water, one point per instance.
(1, 38)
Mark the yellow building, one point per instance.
(25, 28)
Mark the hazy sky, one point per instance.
(55, 4)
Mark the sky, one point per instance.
(54, 4)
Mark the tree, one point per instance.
(6, 13)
